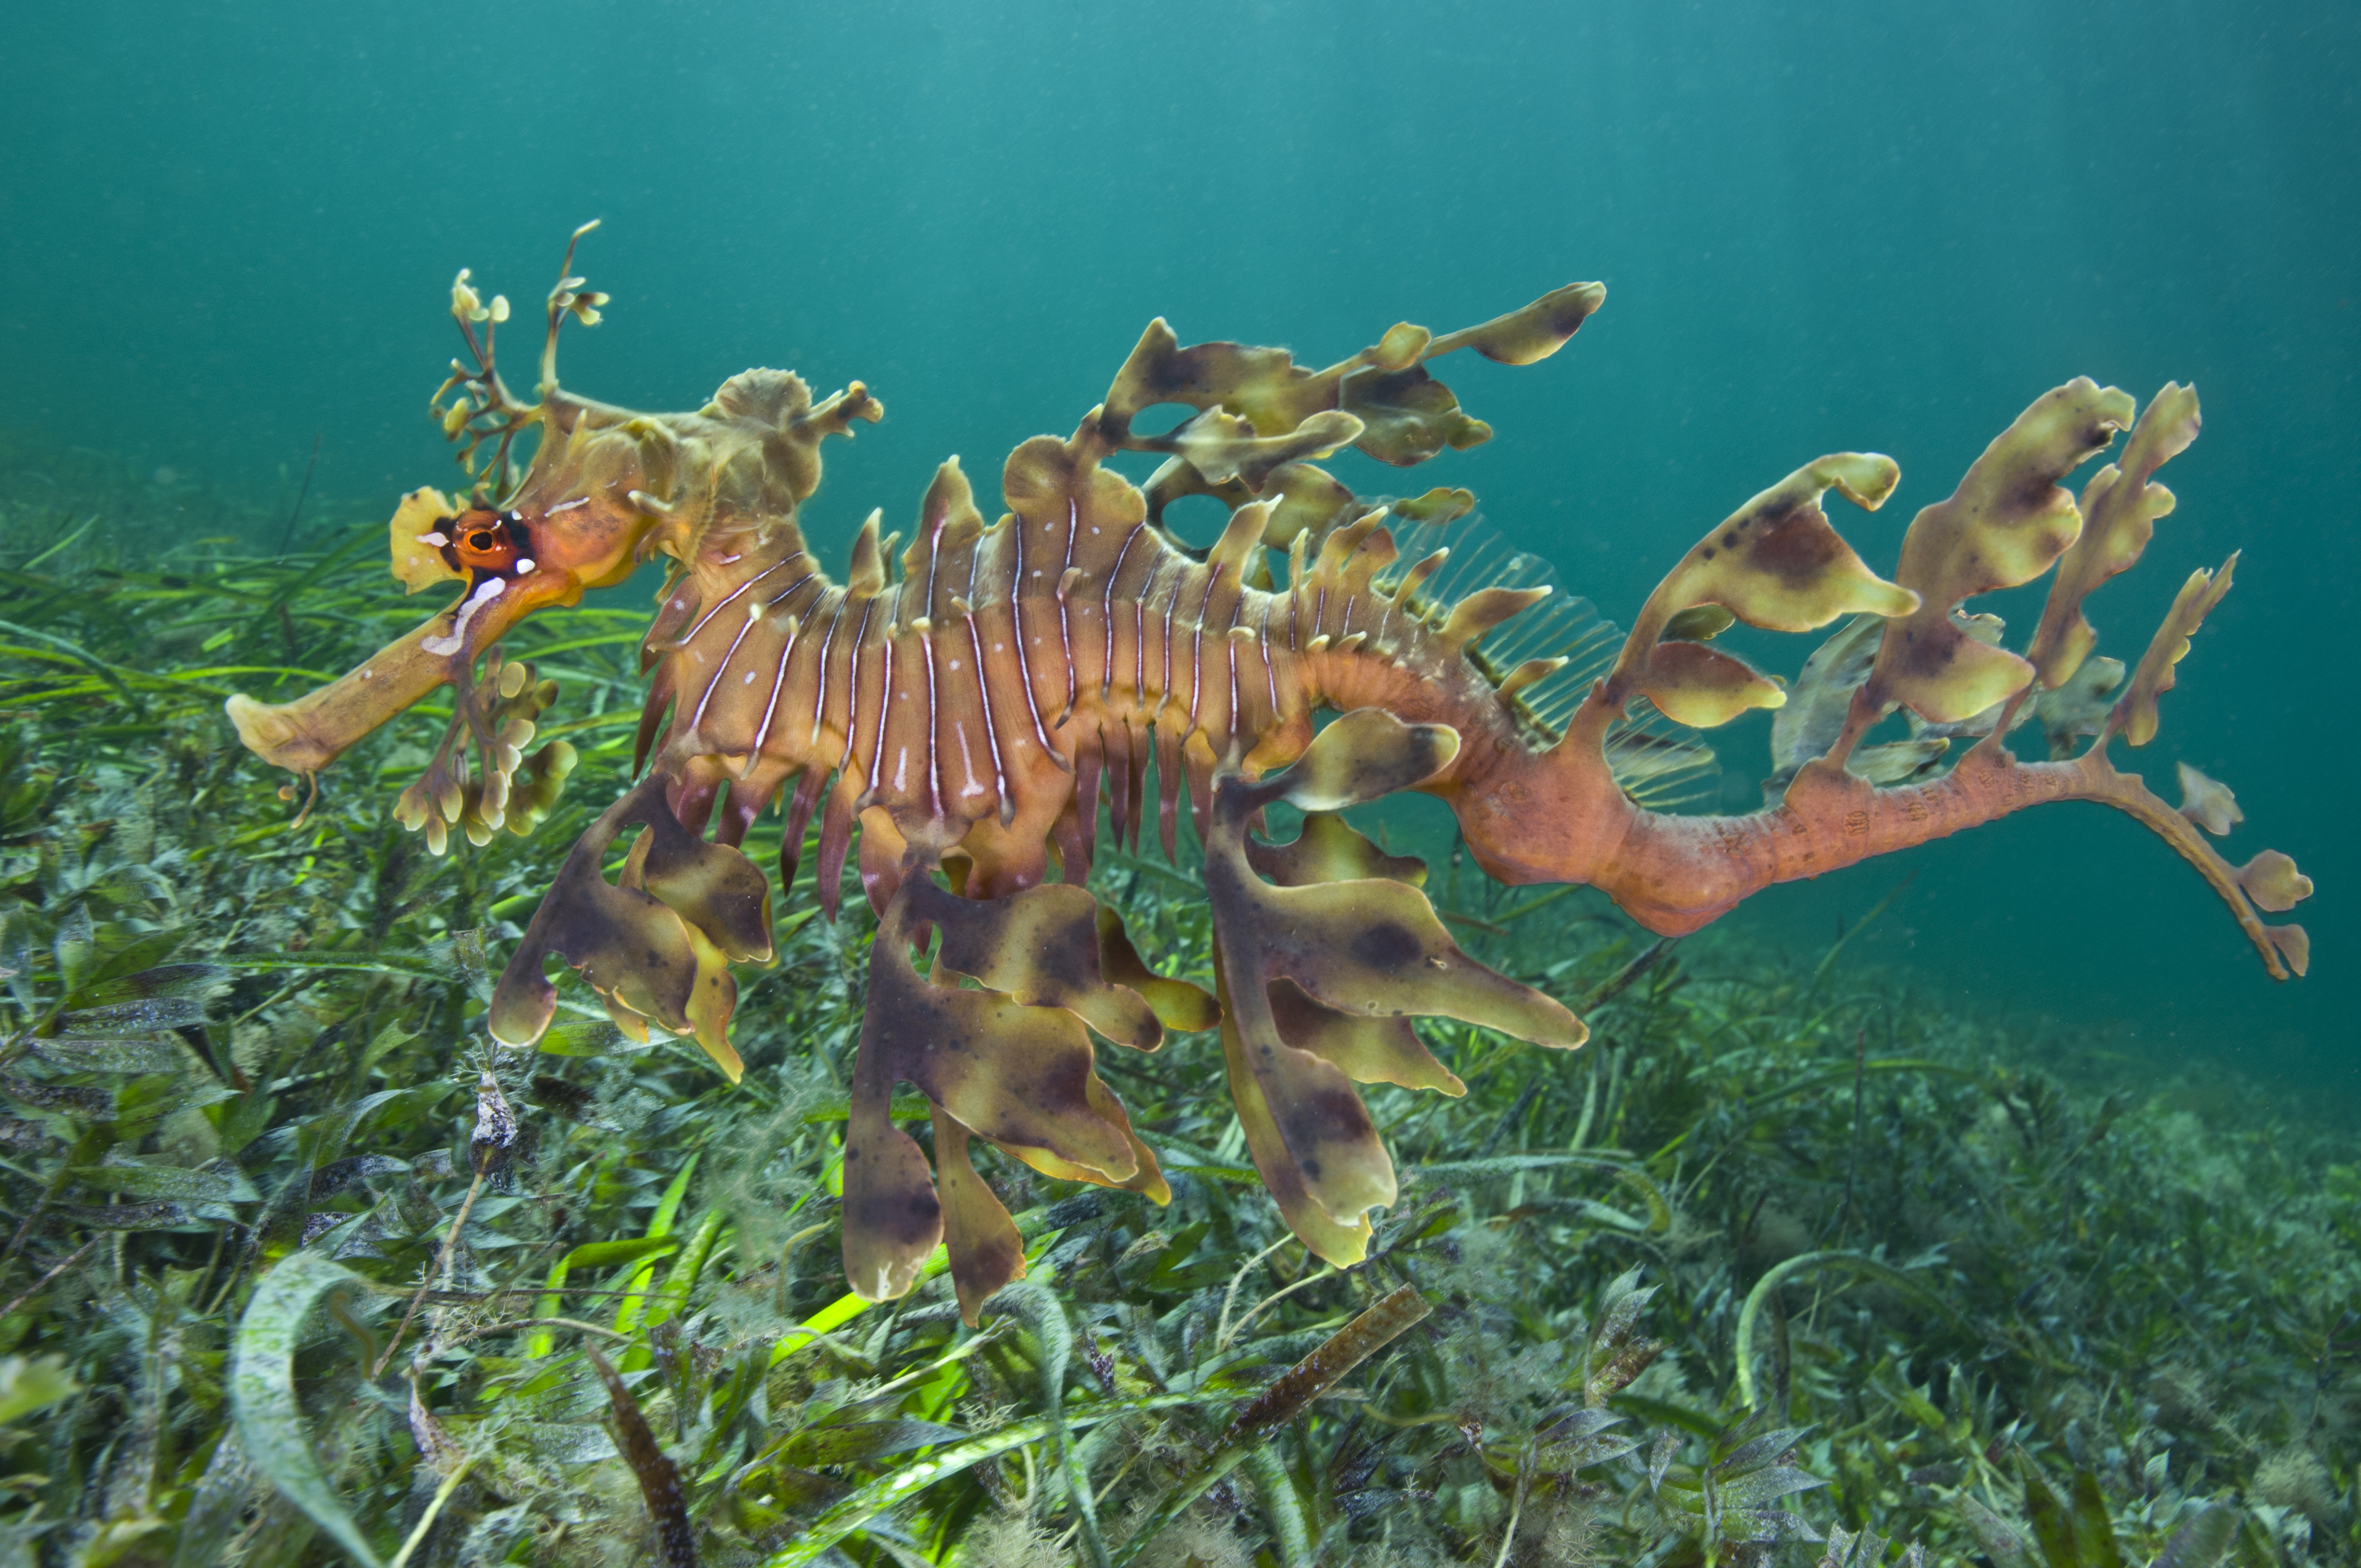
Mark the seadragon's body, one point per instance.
(962, 714)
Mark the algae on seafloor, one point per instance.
(1999, 1302)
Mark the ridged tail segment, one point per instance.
(982, 700)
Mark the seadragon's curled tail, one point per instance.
(961, 714)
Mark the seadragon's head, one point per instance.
(605, 490)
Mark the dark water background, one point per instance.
(225, 229)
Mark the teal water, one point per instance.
(223, 230)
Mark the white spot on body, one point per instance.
(567, 506)
(525, 566)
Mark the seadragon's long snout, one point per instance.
(511, 564)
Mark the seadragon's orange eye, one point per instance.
(481, 540)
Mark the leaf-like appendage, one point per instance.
(1329, 848)
(1699, 687)
(494, 716)
(1011, 1063)
(1177, 1004)
(1305, 499)
(1365, 1050)
(2004, 524)
(1341, 1241)
(1813, 714)
(1224, 447)
(1485, 609)
(1531, 333)
(714, 887)
(1319, 979)
(986, 1253)
(1405, 415)
(535, 788)
(644, 960)
(2120, 510)
(2272, 880)
(1364, 755)
(1042, 946)
(1775, 563)
(2134, 713)
(2208, 803)
(2079, 707)
(417, 563)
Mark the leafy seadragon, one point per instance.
(962, 717)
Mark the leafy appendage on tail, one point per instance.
(1911, 646)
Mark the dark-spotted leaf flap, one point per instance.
(714, 887)
(1306, 970)
(1531, 333)
(985, 1251)
(2120, 511)
(2003, 526)
(1365, 1050)
(1406, 415)
(1329, 848)
(1178, 1004)
(1364, 755)
(1377, 948)
(1700, 687)
(1147, 1178)
(1343, 1243)
(1776, 562)
(893, 1220)
(2135, 712)
(632, 948)
(1042, 946)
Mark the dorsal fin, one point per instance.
(1659, 763)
